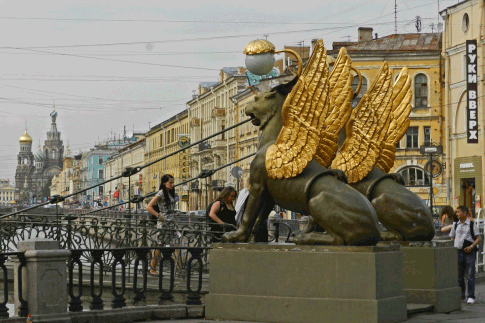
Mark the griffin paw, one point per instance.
(235, 236)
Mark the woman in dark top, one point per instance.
(223, 211)
(448, 217)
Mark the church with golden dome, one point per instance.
(35, 171)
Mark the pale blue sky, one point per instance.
(41, 58)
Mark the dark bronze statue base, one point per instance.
(430, 274)
(289, 283)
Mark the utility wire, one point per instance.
(183, 40)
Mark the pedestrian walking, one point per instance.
(165, 200)
(466, 239)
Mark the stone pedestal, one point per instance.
(288, 283)
(44, 277)
(430, 274)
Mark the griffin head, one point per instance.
(268, 103)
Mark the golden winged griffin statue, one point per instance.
(302, 165)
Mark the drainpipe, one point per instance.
(164, 145)
(448, 103)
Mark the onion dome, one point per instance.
(25, 138)
(39, 155)
(53, 113)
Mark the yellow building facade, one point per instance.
(7, 195)
(132, 155)
(420, 54)
(211, 111)
(464, 105)
(166, 138)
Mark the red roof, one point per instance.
(401, 42)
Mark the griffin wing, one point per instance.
(401, 96)
(339, 112)
(366, 129)
(303, 115)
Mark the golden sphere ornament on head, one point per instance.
(260, 56)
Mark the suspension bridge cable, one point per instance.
(141, 197)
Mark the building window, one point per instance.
(54, 155)
(465, 23)
(414, 176)
(426, 136)
(412, 137)
(421, 91)
(101, 190)
(355, 83)
(101, 160)
(100, 173)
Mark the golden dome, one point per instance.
(25, 138)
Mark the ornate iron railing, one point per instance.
(166, 269)
(90, 232)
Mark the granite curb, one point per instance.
(121, 315)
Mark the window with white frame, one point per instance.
(414, 176)
(421, 91)
(412, 137)
(101, 160)
(426, 136)
(100, 173)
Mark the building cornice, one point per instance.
(391, 66)
(457, 7)
(370, 56)
(457, 49)
(458, 85)
(233, 78)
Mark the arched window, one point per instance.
(47, 153)
(26, 161)
(421, 91)
(54, 154)
(414, 176)
(355, 83)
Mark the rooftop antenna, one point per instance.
(439, 26)
(432, 27)
(395, 17)
(266, 37)
(348, 38)
(418, 24)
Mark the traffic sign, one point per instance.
(437, 168)
(237, 172)
(436, 191)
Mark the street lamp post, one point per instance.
(431, 149)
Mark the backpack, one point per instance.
(472, 232)
(208, 211)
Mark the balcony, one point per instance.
(218, 112)
(220, 143)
